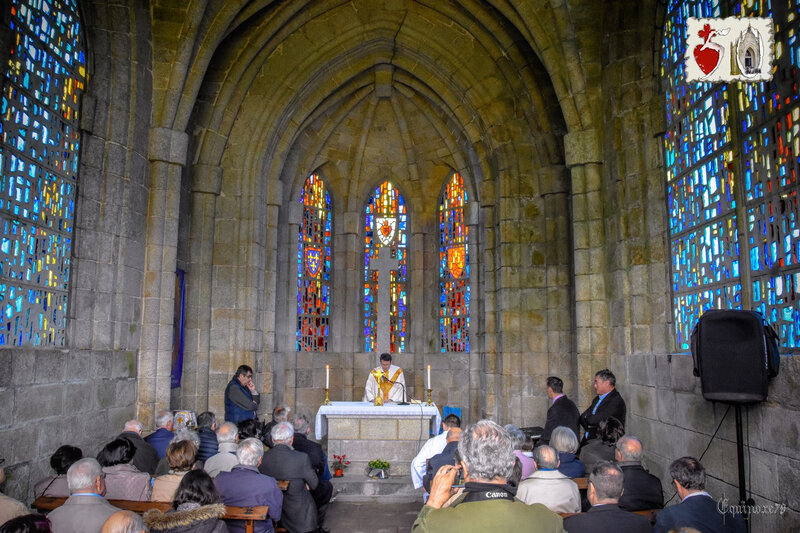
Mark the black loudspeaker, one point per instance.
(735, 353)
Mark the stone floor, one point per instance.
(347, 517)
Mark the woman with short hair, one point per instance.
(60, 461)
(180, 457)
(123, 480)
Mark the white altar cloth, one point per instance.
(367, 409)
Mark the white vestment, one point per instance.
(372, 387)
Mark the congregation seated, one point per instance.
(64, 457)
(124, 522)
(324, 490)
(548, 486)
(566, 444)
(245, 486)
(299, 514)
(487, 502)
(197, 507)
(146, 457)
(180, 456)
(86, 510)
(182, 434)
(163, 434)
(9, 507)
(605, 488)
(697, 508)
(27, 523)
(225, 458)
(518, 440)
(609, 431)
(447, 457)
(123, 480)
(206, 427)
(642, 490)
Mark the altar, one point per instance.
(364, 432)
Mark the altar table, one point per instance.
(364, 432)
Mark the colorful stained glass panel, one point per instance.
(454, 290)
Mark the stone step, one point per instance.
(356, 486)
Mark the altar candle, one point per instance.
(429, 376)
(327, 376)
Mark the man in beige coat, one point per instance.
(548, 486)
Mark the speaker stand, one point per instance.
(743, 502)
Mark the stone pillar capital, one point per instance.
(207, 179)
(582, 147)
(169, 146)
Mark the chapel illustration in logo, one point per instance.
(729, 49)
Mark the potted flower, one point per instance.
(378, 469)
(339, 463)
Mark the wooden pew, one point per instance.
(248, 514)
(650, 514)
(582, 482)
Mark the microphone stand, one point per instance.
(404, 402)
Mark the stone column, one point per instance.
(347, 314)
(167, 154)
(476, 329)
(206, 186)
(583, 155)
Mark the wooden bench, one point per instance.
(650, 514)
(582, 482)
(248, 514)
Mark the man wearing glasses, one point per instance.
(241, 396)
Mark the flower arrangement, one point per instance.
(340, 462)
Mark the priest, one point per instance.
(386, 382)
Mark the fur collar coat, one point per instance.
(188, 517)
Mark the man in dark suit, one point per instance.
(697, 508)
(162, 436)
(447, 457)
(282, 462)
(642, 490)
(605, 488)
(322, 494)
(146, 457)
(607, 403)
(562, 411)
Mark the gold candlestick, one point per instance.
(429, 402)
(327, 400)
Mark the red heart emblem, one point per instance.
(707, 58)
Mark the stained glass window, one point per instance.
(731, 156)
(42, 84)
(453, 267)
(314, 267)
(385, 228)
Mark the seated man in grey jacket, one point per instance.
(86, 510)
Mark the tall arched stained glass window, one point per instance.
(42, 84)
(731, 155)
(453, 267)
(314, 267)
(385, 229)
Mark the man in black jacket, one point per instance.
(562, 411)
(607, 403)
(322, 494)
(447, 457)
(206, 427)
(146, 457)
(642, 489)
(299, 513)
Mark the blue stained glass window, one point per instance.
(705, 183)
(454, 290)
(314, 267)
(39, 148)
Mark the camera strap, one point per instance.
(481, 492)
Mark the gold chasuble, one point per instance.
(376, 386)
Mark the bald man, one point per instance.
(124, 522)
(642, 490)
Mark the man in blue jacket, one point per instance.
(241, 396)
(161, 437)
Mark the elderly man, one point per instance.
(146, 457)
(206, 426)
(697, 508)
(241, 396)
(9, 507)
(322, 494)
(282, 462)
(245, 486)
(385, 381)
(86, 510)
(447, 457)
(607, 403)
(562, 410)
(432, 446)
(487, 503)
(281, 413)
(548, 486)
(162, 436)
(124, 522)
(605, 488)
(642, 490)
(225, 459)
